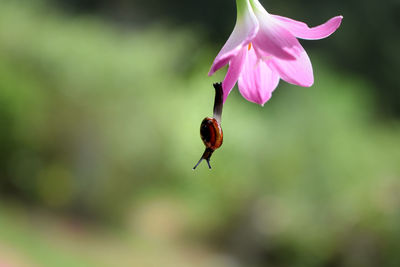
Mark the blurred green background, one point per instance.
(100, 107)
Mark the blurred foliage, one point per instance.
(366, 43)
(102, 122)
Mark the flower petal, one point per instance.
(257, 80)
(301, 30)
(235, 68)
(298, 72)
(272, 37)
(245, 30)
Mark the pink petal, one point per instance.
(245, 30)
(298, 72)
(277, 41)
(235, 68)
(301, 30)
(272, 37)
(257, 80)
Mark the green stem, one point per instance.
(241, 7)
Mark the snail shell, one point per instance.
(211, 133)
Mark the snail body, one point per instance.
(210, 128)
(211, 133)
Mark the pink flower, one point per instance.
(263, 48)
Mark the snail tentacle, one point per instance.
(206, 155)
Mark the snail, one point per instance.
(210, 128)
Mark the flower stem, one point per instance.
(240, 6)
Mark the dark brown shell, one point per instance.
(211, 133)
